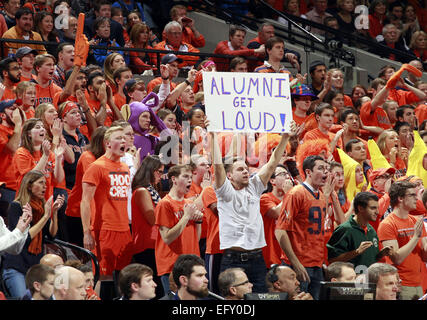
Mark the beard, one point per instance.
(201, 293)
(13, 78)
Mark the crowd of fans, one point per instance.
(93, 154)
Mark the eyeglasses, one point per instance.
(241, 284)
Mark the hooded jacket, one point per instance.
(143, 139)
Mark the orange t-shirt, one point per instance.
(119, 100)
(298, 120)
(75, 196)
(402, 97)
(33, 76)
(402, 230)
(347, 101)
(6, 174)
(46, 95)
(303, 217)
(8, 94)
(272, 250)
(378, 118)
(212, 221)
(30, 113)
(317, 134)
(168, 213)
(421, 113)
(23, 161)
(112, 181)
(143, 234)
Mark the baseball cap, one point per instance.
(24, 51)
(314, 64)
(169, 58)
(303, 90)
(379, 172)
(6, 104)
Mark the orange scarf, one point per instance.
(38, 211)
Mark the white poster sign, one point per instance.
(247, 102)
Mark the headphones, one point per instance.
(271, 274)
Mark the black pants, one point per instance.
(74, 230)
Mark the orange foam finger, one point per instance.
(80, 25)
(413, 70)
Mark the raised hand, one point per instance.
(56, 127)
(164, 71)
(25, 219)
(418, 228)
(59, 202)
(102, 93)
(16, 117)
(191, 76)
(48, 208)
(46, 147)
(294, 129)
(207, 181)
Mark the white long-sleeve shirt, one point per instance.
(11, 242)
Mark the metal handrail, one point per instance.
(61, 243)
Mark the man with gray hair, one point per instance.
(386, 278)
(173, 42)
(392, 40)
(233, 284)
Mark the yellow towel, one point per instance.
(377, 158)
(415, 160)
(349, 164)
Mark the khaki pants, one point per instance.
(407, 293)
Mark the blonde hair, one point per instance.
(40, 111)
(199, 96)
(41, 59)
(381, 139)
(415, 36)
(22, 87)
(110, 131)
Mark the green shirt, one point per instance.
(348, 236)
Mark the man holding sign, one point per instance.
(241, 228)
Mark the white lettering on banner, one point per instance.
(247, 102)
(119, 185)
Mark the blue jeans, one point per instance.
(253, 264)
(213, 266)
(15, 282)
(312, 287)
